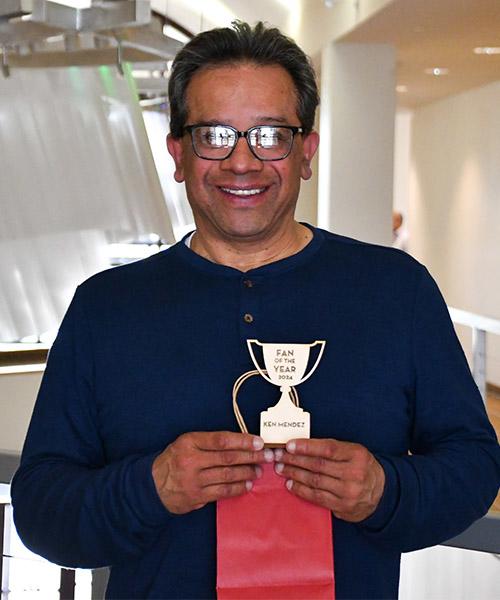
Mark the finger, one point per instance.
(347, 510)
(188, 459)
(226, 440)
(342, 489)
(235, 457)
(216, 492)
(345, 470)
(209, 460)
(312, 479)
(327, 448)
(314, 495)
(317, 464)
(219, 475)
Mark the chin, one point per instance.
(245, 232)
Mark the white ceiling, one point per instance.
(436, 33)
(425, 33)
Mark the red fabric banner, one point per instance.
(273, 545)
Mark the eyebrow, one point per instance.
(260, 120)
(272, 119)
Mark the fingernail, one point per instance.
(278, 454)
(258, 471)
(289, 484)
(258, 443)
(278, 467)
(248, 485)
(268, 455)
(290, 446)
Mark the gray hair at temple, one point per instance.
(239, 44)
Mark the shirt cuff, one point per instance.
(386, 508)
(145, 498)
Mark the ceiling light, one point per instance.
(75, 3)
(16, 369)
(437, 71)
(487, 50)
(141, 74)
(55, 38)
(401, 89)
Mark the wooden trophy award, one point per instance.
(285, 366)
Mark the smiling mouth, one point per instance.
(243, 193)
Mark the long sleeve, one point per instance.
(71, 504)
(151, 350)
(452, 473)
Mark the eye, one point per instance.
(216, 137)
(269, 137)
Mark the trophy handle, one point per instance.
(257, 366)
(322, 343)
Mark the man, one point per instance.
(133, 437)
(399, 233)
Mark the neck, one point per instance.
(250, 254)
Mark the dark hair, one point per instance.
(242, 43)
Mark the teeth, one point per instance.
(243, 192)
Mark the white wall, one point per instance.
(443, 573)
(17, 398)
(402, 144)
(320, 25)
(455, 202)
(356, 155)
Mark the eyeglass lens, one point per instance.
(266, 142)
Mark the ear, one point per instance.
(309, 147)
(176, 151)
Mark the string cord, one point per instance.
(236, 388)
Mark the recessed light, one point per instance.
(402, 89)
(79, 4)
(141, 74)
(55, 38)
(487, 50)
(437, 71)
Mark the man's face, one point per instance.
(241, 197)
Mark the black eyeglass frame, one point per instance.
(239, 134)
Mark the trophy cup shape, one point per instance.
(285, 366)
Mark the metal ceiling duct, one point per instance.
(41, 33)
(80, 172)
(103, 14)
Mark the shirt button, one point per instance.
(248, 318)
(248, 283)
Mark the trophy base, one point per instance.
(278, 426)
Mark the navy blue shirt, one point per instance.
(151, 350)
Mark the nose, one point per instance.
(241, 159)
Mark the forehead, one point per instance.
(242, 95)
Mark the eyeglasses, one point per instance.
(266, 142)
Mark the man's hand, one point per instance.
(202, 467)
(341, 476)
